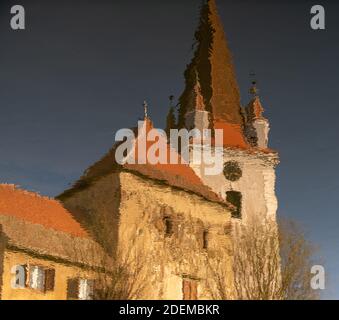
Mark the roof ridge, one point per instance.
(180, 175)
(35, 194)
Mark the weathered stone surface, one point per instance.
(142, 206)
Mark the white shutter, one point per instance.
(37, 278)
(85, 289)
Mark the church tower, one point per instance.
(211, 100)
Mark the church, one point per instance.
(174, 219)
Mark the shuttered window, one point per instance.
(49, 279)
(86, 289)
(80, 289)
(190, 290)
(40, 278)
(72, 289)
(37, 278)
(20, 272)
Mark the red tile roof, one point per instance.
(232, 135)
(255, 109)
(213, 66)
(36, 209)
(233, 138)
(179, 175)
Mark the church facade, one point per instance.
(175, 220)
(176, 216)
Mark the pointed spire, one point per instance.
(254, 109)
(257, 126)
(213, 67)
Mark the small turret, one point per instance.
(257, 126)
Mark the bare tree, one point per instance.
(297, 258)
(122, 276)
(269, 263)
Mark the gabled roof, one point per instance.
(179, 175)
(35, 209)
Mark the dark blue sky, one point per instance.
(81, 70)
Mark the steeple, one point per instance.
(254, 109)
(257, 126)
(211, 73)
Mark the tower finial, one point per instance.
(254, 91)
(145, 105)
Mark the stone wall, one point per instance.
(172, 250)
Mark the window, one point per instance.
(80, 289)
(37, 278)
(205, 239)
(190, 289)
(85, 289)
(168, 222)
(20, 276)
(41, 279)
(72, 289)
(49, 279)
(235, 198)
